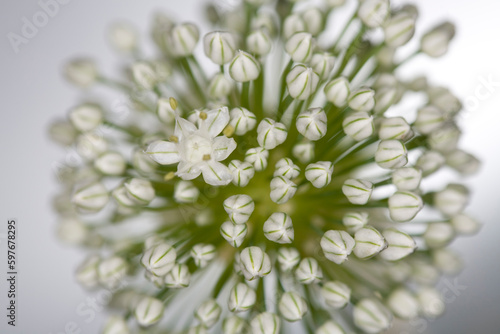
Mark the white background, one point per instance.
(33, 93)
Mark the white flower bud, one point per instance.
(259, 42)
(435, 42)
(87, 273)
(86, 117)
(322, 63)
(219, 87)
(233, 325)
(404, 206)
(308, 271)
(149, 311)
(288, 258)
(266, 323)
(465, 225)
(111, 271)
(278, 228)
(144, 75)
(385, 97)
(91, 145)
(63, 132)
(81, 72)
(357, 191)
(403, 304)
(424, 272)
(91, 198)
(431, 302)
(313, 19)
(304, 151)
(72, 231)
(442, 98)
(159, 259)
(282, 189)
(399, 29)
(292, 306)
(142, 162)
(319, 173)
(373, 13)
(294, 23)
(183, 38)
(301, 82)
(398, 272)
(286, 168)
(271, 134)
(336, 294)
(371, 316)
(394, 128)
(165, 112)
(369, 242)
(239, 208)
(140, 191)
(241, 298)
(355, 221)
(463, 162)
(391, 154)
(242, 120)
(429, 119)
(358, 125)
(208, 313)
(254, 263)
(407, 178)
(429, 162)
(202, 254)
(185, 192)
(447, 261)
(219, 46)
(362, 99)
(123, 37)
(242, 172)
(116, 325)
(111, 163)
(257, 157)
(444, 139)
(330, 327)
(438, 235)
(399, 243)
(337, 91)
(244, 67)
(312, 123)
(300, 47)
(234, 233)
(178, 277)
(451, 200)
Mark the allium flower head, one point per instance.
(279, 180)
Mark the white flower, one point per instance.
(219, 46)
(385, 97)
(304, 151)
(322, 63)
(182, 39)
(312, 123)
(111, 271)
(407, 178)
(242, 120)
(313, 19)
(362, 99)
(254, 263)
(373, 13)
(144, 75)
(220, 86)
(429, 118)
(271, 134)
(438, 234)
(292, 306)
(447, 261)
(330, 327)
(72, 231)
(430, 162)
(185, 192)
(244, 67)
(257, 157)
(202, 254)
(300, 47)
(319, 173)
(123, 37)
(445, 139)
(242, 172)
(391, 154)
(337, 245)
(178, 277)
(394, 128)
(371, 316)
(355, 220)
(286, 168)
(198, 150)
(309, 271)
(451, 200)
(239, 208)
(266, 323)
(92, 197)
(369, 242)
(403, 304)
(139, 191)
(463, 162)
(149, 311)
(399, 244)
(259, 42)
(288, 258)
(90, 145)
(159, 259)
(233, 325)
(208, 313)
(234, 233)
(111, 163)
(81, 72)
(336, 294)
(357, 191)
(358, 125)
(278, 228)
(116, 325)
(337, 91)
(86, 117)
(404, 206)
(399, 29)
(431, 302)
(87, 273)
(293, 23)
(63, 133)
(465, 225)
(301, 82)
(282, 189)
(241, 298)
(435, 42)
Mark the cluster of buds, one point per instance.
(273, 192)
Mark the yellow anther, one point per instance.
(206, 157)
(228, 131)
(169, 176)
(203, 115)
(173, 103)
(174, 139)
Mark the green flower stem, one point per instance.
(192, 59)
(407, 59)
(131, 131)
(245, 94)
(194, 82)
(283, 80)
(350, 52)
(343, 32)
(372, 52)
(284, 104)
(258, 96)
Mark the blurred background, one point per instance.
(34, 93)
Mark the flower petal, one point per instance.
(217, 120)
(222, 147)
(163, 152)
(216, 174)
(183, 128)
(188, 171)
